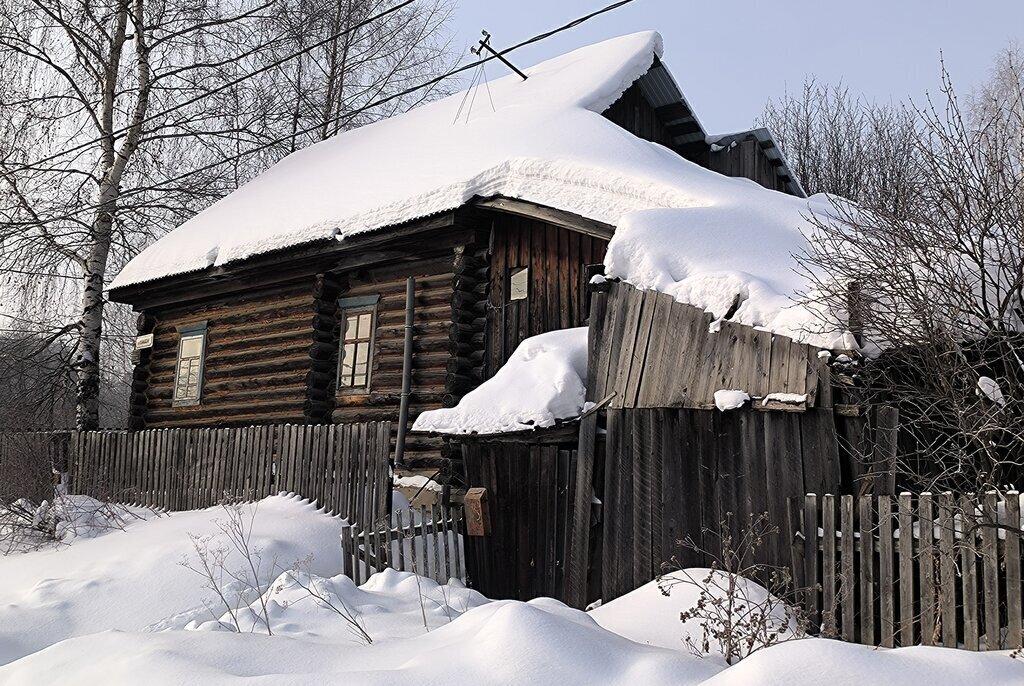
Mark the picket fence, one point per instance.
(343, 467)
(426, 541)
(911, 569)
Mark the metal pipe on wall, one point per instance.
(403, 412)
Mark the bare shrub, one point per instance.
(326, 596)
(737, 616)
(938, 286)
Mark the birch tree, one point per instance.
(119, 119)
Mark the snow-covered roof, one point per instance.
(544, 381)
(705, 238)
(544, 140)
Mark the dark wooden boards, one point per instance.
(922, 570)
(668, 354)
(343, 467)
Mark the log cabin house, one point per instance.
(285, 302)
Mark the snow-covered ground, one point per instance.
(118, 608)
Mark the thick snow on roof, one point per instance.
(702, 237)
(543, 381)
(544, 141)
(736, 253)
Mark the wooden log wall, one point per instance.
(322, 377)
(468, 330)
(257, 358)
(431, 346)
(137, 399)
(674, 474)
(343, 467)
(530, 489)
(558, 297)
(651, 351)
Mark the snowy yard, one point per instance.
(121, 608)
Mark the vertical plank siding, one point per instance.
(532, 502)
(675, 475)
(922, 574)
(668, 354)
(557, 297)
(343, 467)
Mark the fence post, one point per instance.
(1011, 551)
(906, 569)
(867, 572)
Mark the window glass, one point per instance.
(188, 374)
(357, 348)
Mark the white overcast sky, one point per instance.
(730, 56)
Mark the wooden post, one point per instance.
(969, 571)
(906, 569)
(926, 568)
(885, 573)
(828, 564)
(947, 568)
(849, 582)
(867, 572)
(1011, 551)
(990, 566)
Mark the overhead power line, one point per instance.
(430, 82)
(221, 88)
(376, 103)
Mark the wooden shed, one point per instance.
(597, 506)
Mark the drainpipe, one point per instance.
(403, 412)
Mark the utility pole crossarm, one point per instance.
(485, 44)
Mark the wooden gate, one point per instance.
(428, 542)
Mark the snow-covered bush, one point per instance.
(25, 525)
(736, 615)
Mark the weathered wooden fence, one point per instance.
(427, 541)
(344, 467)
(907, 570)
(27, 463)
(648, 350)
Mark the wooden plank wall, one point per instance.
(558, 295)
(677, 474)
(257, 358)
(343, 467)
(926, 569)
(530, 491)
(633, 113)
(651, 351)
(746, 159)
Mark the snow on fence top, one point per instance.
(545, 141)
